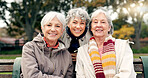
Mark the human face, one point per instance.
(100, 26)
(53, 30)
(77, 26)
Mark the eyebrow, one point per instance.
(101, 19)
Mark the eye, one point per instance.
(49, 25)
(103, 22)
(82, 23)
(58, 26)
(74, 22)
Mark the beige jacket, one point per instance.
(38, 61)
(124, 61)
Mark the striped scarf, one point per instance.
(104, 66)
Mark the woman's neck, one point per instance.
(51, 43)
(100, 41)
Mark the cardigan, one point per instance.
(124, 61)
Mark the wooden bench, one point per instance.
(7, 66)
(10, 68)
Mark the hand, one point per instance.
(74, 55)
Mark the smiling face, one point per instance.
(53, 30)
(77, 26)
(100, 26)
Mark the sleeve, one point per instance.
(69, 72)
(79, 66)
(29, 64)
(126, 69)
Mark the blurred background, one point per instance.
(20, 21)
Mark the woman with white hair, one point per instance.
(104, 56)
(46, 56)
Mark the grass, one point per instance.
(138, 55)
(5, 72)
(11, 52)
(9, 56)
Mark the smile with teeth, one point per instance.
(77, 31)
(99, 30)
(52, 34)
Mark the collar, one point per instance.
(47, 44)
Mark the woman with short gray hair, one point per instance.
(76, 35)
(77, 21)
(104, 56)
(46, 56)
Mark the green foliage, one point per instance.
(144, 31)
(124, 33)
(142, 50)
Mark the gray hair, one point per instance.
(104, 11)
(79, 13)
(50, 15)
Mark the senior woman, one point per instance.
(46, 56)
(104, 56)
(77, 21)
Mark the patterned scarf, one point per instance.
(104, 66)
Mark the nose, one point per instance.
(78, 26)
(99, 24)
(53, 28)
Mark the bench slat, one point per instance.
(138, 67)
(5, 75)
(6, 68)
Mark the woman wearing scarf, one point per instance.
(77, 21)
(104, 56)
(46, 56)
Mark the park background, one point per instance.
(21, 20)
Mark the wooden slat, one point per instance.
(6, 68)
(7, 61)
(5, 75)
(138, 67)
(140, 75)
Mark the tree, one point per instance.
(136, 12)
(124, 33)
(134, 9)
(28, 13)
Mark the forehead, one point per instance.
(78, 19)
(100, 16)
(55, 20)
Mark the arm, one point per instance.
(126, 69)
(29, 64)
(79, 66)
(69, 72)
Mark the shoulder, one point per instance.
(122, 42)
(83, 49)
(28, 44)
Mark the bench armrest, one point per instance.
(145, 65)
(16, 68)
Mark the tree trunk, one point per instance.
(137, 33)
(29, 32)
(137, 40)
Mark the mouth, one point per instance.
(77, 31)
(52, 34)
(99, 30)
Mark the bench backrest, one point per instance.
(15, 66)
